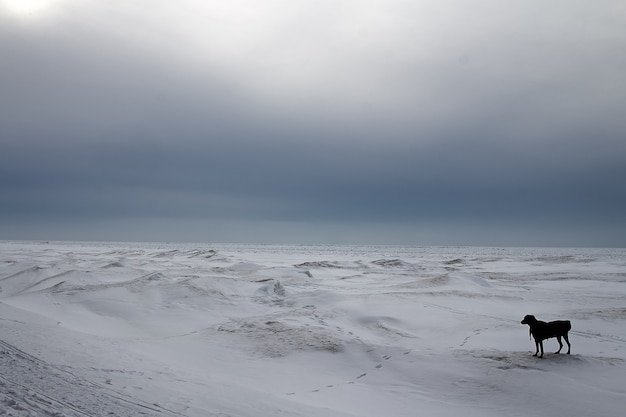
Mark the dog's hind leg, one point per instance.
(569, 346)
(558, 338)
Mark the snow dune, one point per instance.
(112, 329)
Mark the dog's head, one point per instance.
(529, 319)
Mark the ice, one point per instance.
(123, 329)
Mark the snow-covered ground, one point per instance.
(106, 329)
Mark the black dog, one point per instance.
(541, 330)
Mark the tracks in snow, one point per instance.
(30, 386)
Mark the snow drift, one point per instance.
(102, 329)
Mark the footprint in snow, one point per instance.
(378, 366)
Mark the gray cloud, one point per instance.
(435, 120)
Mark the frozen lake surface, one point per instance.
(119, 329)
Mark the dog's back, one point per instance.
(551, 329)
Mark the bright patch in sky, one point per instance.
(26, 7)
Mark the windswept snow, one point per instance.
(106, 329)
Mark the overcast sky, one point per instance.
(432, 122)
